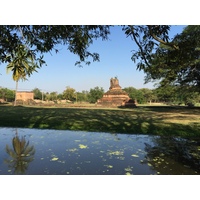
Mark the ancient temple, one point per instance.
(115, 96)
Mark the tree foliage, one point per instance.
(178, 66)
(7, 94)
(176, 94)
(82, 96)
(132, 92)
(21, 63)
(95, 94)
(37, 93)
(147, 38)
(143, 95)
(40, 39)
(69, 94)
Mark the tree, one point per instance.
(69, 94)
(166, 93)
(143, 95)
(140, 97)
(147, 38)
(178, 66)
(37, 93)
(6, 94)
(47, 96)
(132, 92)
(60, 96)
(53, 96)
(95, 94)
(176, 94)
(22, 64)
(44, 38)
(148, 94)
(82, 96)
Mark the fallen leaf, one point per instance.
(135, 156)
(81, 146)
(54, 159)
(109, 166)
(116, 153)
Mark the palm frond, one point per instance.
(10, 152)
(22, 63)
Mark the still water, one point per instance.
(41, 152)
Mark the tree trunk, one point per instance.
(15, 102)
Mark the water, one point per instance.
(41, 152)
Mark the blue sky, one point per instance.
(60, 72)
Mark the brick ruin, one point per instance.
(115, 96)
(24, 96)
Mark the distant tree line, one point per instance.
(169, 94)
(70, 94)
(173, 95)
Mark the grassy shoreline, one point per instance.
(179, 121)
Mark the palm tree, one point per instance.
(22, 154)
(22, 63)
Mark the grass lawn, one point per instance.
(164, 120)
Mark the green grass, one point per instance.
(142, 120)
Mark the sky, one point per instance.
(61, 72)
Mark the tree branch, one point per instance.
(160, 40)
(138, 44)
(25, 43)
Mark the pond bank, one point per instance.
(141, 120)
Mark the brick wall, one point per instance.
(25, 96)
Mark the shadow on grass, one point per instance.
(95, 120)
(172, 109)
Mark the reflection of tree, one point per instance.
(172, 155)
(21, 154)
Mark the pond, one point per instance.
(57, 152)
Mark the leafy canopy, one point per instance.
(21, 63)
(178, 66)
(44, 38)
(95, 94)
(41, 39)
(69, 93)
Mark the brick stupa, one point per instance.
(115, 96)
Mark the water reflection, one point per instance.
(172, 155)
(21, 154)
(89, 153)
